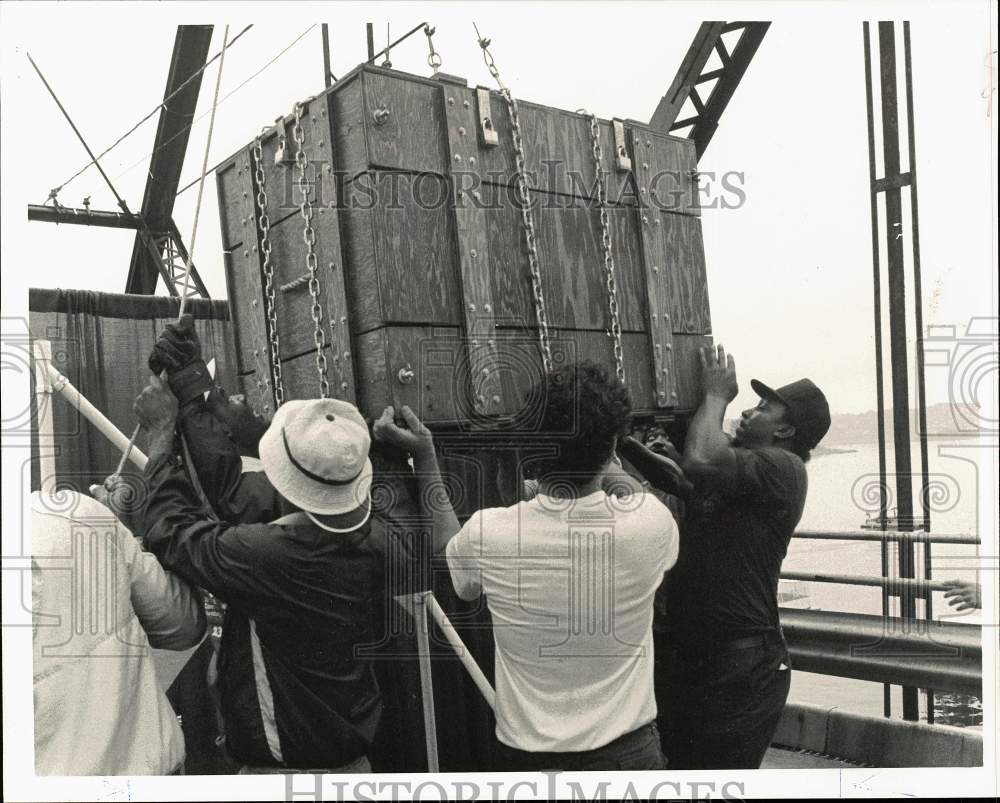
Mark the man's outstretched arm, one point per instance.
(708, 453)
(418, 441)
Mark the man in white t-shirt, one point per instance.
(569, 578)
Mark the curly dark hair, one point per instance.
(583, 410)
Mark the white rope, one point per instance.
(204, 172)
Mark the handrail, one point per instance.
(865, 580)
(944, 656)
(916, 536)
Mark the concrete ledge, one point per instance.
(877, 741)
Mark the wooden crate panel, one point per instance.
(687, 284)
(229, 183)
(399, 237)
(432, 354)
(558, 152)
(281, 177)
(571, 263)
(664, 169)
(687, 368)
(291, 294)
(412, 135)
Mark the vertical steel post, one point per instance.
(370, 30)
(879, 373)
(326, 55)
(891, 184)
(918, 307)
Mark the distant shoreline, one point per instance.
(819, 451)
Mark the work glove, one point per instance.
(663, 472)
(178, 352)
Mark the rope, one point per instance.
(222, 100)
(162, 106)
(204, 170)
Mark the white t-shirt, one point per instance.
(98, 603)
(570, 586)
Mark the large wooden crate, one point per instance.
(425, 286)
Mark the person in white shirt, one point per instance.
(98, 604)
(569, 577)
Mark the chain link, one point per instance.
(609, 260)
(264, 228)
(260, 374)
(309, 236)
(524, 199)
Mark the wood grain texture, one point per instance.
(243, 276)
(655, 259)
(230, 191)
(571, 259)
(412, 136)
(664, 166)
(346, 110)
(358, 242)
(558, 152)
(435, 356)
(688, 369)
(301, 379)
(413, 231)
(472, 252)
(687, 284)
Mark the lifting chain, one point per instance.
(309, 236)
(264, 227)
(609, 260)
(433, 58)
(524, 199)
(260, 374)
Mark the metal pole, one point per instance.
(897, 333)
(370, 30)
(65, 388)
(426, 682)
(44, 428)
(461, 651)
(326, 55)
(879, 374)
(919, 325)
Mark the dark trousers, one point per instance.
(636, 750)
(719, 710)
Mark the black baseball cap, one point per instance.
(807, 407)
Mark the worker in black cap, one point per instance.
(722, 666)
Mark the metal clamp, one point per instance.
(622, 161)
(405, 375)
(488, 136)
(381, 115)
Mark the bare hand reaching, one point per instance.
(718, 374)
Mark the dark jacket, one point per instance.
(304, 605)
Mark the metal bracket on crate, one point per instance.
(488, 136)
(654, 255)
(463, 113)
(622, 161)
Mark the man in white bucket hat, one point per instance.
(297, 683)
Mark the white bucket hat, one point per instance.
(315, 453)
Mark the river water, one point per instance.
(842, 491)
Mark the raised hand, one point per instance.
(718, 374)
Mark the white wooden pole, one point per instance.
(41, 352)
(461, 651)
(426, 684)
(65, 388)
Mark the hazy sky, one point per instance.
(789, 272)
